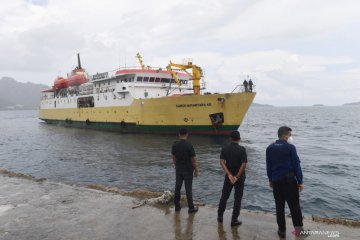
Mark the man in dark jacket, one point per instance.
(285, 178)
(183, 155)
(233, 161)
(251, 84)
(246, 85)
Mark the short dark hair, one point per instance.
(284, 130)
(183, 131)
(235, 135)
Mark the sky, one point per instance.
(297, 52)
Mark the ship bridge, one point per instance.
(142, 83)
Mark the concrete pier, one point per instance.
(32, 209)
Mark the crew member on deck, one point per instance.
(246, 84)
(250, 85)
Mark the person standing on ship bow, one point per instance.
(183, 155)
(246, 85)
(251, 84)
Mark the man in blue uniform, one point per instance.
(183, 155)
(285, 178)
(233, 161)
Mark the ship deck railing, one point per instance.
(241, 88)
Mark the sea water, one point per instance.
(327, 140)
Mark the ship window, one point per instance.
(146, 79)
(152, 79)
(117, 80)
(85, 102)
(139, 79)
(165, 80)
(157, 79)
(172, 80)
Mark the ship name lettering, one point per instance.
(100, 76)
(194, 105)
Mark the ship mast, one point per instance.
(79, 63)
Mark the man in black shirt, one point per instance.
(233, 161)
(183, 155)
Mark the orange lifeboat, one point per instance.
(77, 77)
(60, 83)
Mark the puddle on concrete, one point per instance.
(5, 208)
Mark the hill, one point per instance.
(352, 104)
(17, 95)
(260, 105)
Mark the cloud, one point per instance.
(290, 19)
(38, 2)
(287, 46)
(282, 78)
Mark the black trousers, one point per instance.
(285, 191)
(238, 194)
(186, 177)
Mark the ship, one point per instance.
(144, 100)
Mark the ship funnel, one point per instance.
(79, 63)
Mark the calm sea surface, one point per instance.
(327, 140)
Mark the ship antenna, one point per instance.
(79, 63)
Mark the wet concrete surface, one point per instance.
(36, 210)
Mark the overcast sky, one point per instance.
(298, 52)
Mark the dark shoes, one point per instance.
(193, 210)
(281, 234)
(235, 223)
